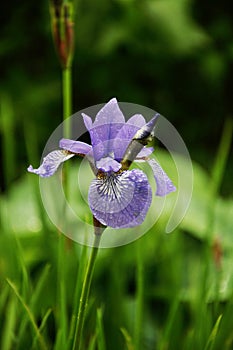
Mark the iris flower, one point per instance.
(118, 197)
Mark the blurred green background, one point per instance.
(174, 57)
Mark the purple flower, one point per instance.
(118, 197)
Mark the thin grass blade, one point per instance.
(213, 334)
(128, 339)
(30, 316)
(100, 330)
(9, 326)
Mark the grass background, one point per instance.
(163, 291)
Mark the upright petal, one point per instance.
(109, 120)
(142, 137)
(108, 115)
(51, 163)
(120, 200)
(76, 147)
(87, 121)
(147, 130)
(130, 128)
(163, 183)
(125, 135)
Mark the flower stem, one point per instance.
(85, 294)
(140, 297)
(67, 99)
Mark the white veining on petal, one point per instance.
(51, 163)
(111, 189)
(120, 200)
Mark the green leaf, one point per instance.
(100, 330)
(213, 334)
(30, 316)
(42, 325)
(35, 299)
(128, 339)
(9, 326)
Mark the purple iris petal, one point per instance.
(108, 164)
(130, 128)
(87, 121)
(51, 163)
(77, 147)
(125, 135)
(163, 183)
(109, 115)
(142, 137)
(108, 122)
(120, 200)
(145, 152)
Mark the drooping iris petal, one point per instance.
(120, 200)
(77, 147)
(108, 164)
(163, 183)
(145, 152)
(51, 163)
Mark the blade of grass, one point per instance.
(213, 334)
(59, 337)
(42, 326)
(3, 297)
(224, 338)
(128, 339)
(35, 299)
(23, 268)
(100, 330)
(40, 285)
(9, 326)
(218, 172)
(92, 345)
(77, 293)
(216, 181)
(170, 321)
(222, 156)
(30, 316)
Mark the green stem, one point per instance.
(67, 110)
(67, 99)
(140, 297)
(85, 294)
